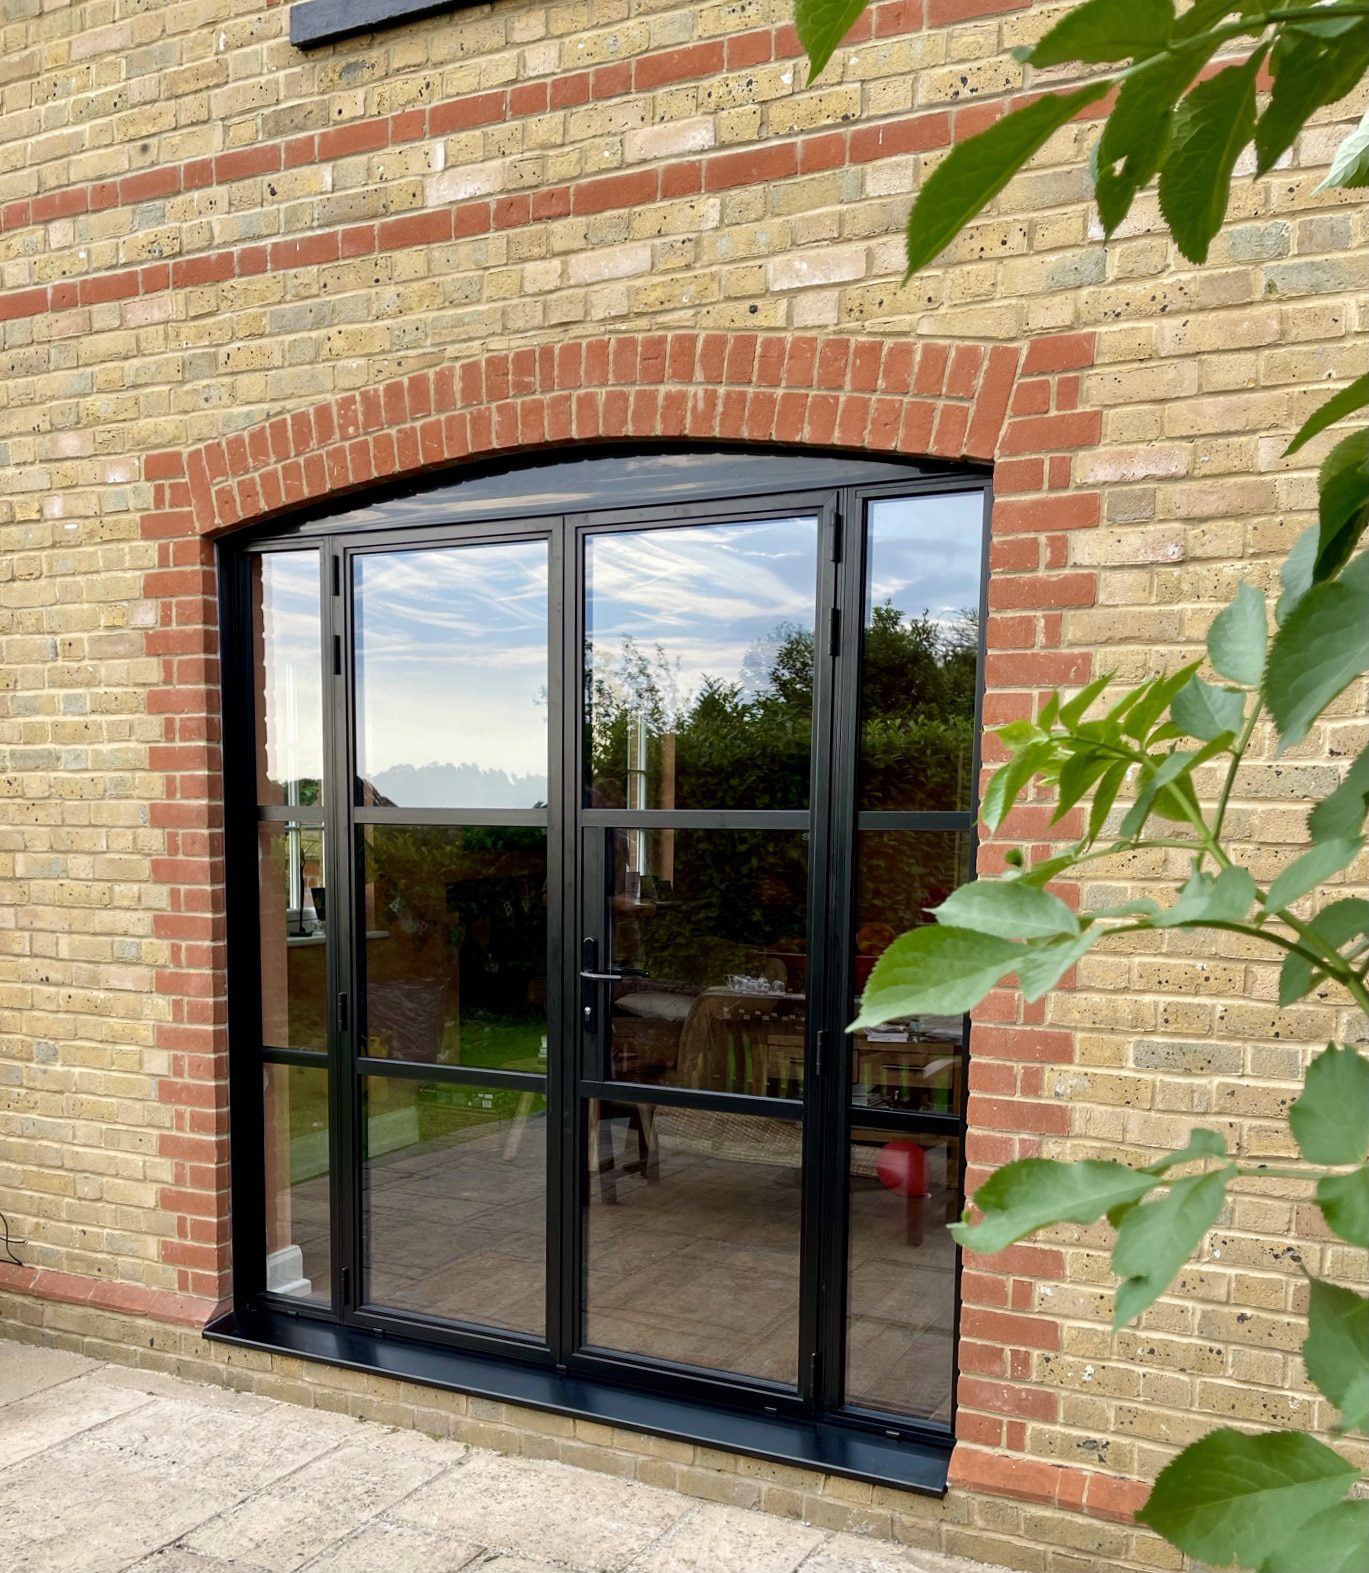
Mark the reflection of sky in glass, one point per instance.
(291, 675)
(707, 594)
(451, 665)
(925, 555)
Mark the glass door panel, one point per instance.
(692, 1237)
(920, 670)
(450, 932)
(900, 1306)
(700, 686)
(454, 1201)
(706, 983)
(451, 676)
(453, 966)
(699, 665)
(917, 1064)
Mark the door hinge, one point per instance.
(814, 1364)
(337, 576)
(347, 1286)
(837, 523)
(342, 1013)
(820, 1058)
(834, 631)
(337, 655)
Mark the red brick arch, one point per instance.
(1018, 409)
(923, 398)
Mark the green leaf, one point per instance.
(1008, 909)
(1334, 925)
(1025, 1196)
(1140, 129)
(1105, 796)
(1006, 784)
(1078, 774)
(1343, 813)
(937, 970)
(1153, 699)
(1313, 868)
(1227, 898)
(1336, 408)
(1350, 166)
(1321, 648)
(1195, 183)
(1201, 1143)
(1344, 1203)
(1296, 574)
(976, 170)
(1336, 1351)
(1228, 1497)
(1104, 31)
(1332, 1541)
(1308, 72)
(1155, 1239)
(1041, 967)
(1073, 710)
(1342, 502)
(821, 26)
(1178, 764)
(1203, 711)
(1330, 1120)
(1238, 638)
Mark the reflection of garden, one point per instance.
(456, 945)
(747, 743)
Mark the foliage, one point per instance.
(1170, 119)
(1156, 767)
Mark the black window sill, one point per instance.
(322, 21)
(908, 1465)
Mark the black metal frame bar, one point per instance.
(350, 1328)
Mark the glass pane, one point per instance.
(454, 1196)
(456, 945)
(451, 671)
(287, 677)
(292, 906)
(711, 927)
(900, 1313)
(921, 658)
(298, 1253)
(699, 665)
(693, 1237)
(917, 1063)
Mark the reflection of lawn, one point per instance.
(415, 1111)
(497, 1043)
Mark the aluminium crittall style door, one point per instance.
(570, 807)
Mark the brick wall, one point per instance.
(235, 276)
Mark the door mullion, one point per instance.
(343, 978)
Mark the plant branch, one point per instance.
(1237, 755)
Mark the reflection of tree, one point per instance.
(917, 734)
(746, 743)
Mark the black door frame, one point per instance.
(832, 824)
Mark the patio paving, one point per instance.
(109, 1470)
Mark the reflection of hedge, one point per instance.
(748, 744)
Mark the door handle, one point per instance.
(612, 977)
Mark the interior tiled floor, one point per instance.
(692, 1257)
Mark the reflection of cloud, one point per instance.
(925, 554)
(704, 593)
(452, 665)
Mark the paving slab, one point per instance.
(105, 1469)
(28, 1368)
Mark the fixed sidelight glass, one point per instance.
(574, 806)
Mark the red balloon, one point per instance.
(902, 1167)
